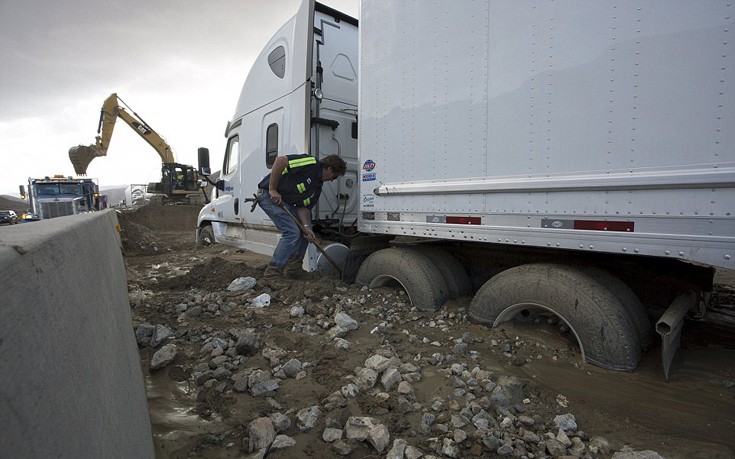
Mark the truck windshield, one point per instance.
(53, 189)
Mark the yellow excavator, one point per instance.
(178, 181)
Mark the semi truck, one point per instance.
(59, 195)
(558, 158)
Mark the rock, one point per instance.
(554, 447)
(508, 392)
(341, 344)
(390, 379)
(248, 344)
(449, 448)
(397, 450)
(377, 363)
(405, 388)
(350, 390)
(307, 418)
(345, 321)
(261, 434)
(263, 387)
(336, 332)
(366, 378)
(330, 435)
(566, 422)
(241, 385)
(291, 368)
(505, 449)
(602, 445)
(163, 356)
(241, 284)
(412, 452)
(379, 437)
(221, 373)
(358, 428)
(342, 447)
(196, 311)
(143, 334)
(160, 334)
(646, 454)
(261, 301)
(282, 441)
(296, 312)
(281, 422)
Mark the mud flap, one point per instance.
(669, 327)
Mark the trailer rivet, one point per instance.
(668, 252)
(681, 254)
(727, 257)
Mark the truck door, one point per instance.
(231, 205)
(334, 108)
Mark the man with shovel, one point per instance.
(291, 190)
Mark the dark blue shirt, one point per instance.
(301, 181)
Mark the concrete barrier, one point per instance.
(71, 384)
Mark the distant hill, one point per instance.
(13, 203)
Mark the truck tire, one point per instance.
(205, 237)
(630, 302)
(451, 270)
(604, 330)
(418, 276)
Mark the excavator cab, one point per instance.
(176, 179)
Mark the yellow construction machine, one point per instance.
(177, 180)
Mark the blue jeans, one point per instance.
(292, 245)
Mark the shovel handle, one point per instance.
(316, 244)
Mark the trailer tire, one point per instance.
(451, 270)
(418, 276)
(600, 323)
(206, 236)
(630, 302)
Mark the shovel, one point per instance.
(316, 244)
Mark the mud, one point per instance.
(692, 416)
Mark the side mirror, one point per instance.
(204, 168)
(22, 192)
(220, 185)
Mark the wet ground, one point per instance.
(691, 416)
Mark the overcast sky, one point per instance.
(180, 64)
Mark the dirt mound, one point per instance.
(216, 274)
(146, 230)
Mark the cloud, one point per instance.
(180, 64)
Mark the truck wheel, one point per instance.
(630, 302)
(603, 329)
(452, 271)
(205, 236)
(418, 276)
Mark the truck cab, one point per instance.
(299, 97)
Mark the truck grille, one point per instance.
(57, 209)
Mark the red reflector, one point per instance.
(595, 225)
(464, 220)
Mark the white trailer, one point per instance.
(565, 157)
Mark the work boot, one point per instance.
(293, 270)
(273, 278)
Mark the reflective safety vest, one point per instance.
(301, 181)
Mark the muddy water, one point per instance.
(691, 416)
(170, 405)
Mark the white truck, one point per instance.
(562, 157)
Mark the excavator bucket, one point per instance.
(81, 156)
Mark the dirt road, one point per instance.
(284, 375)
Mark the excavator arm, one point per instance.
(82, 155)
